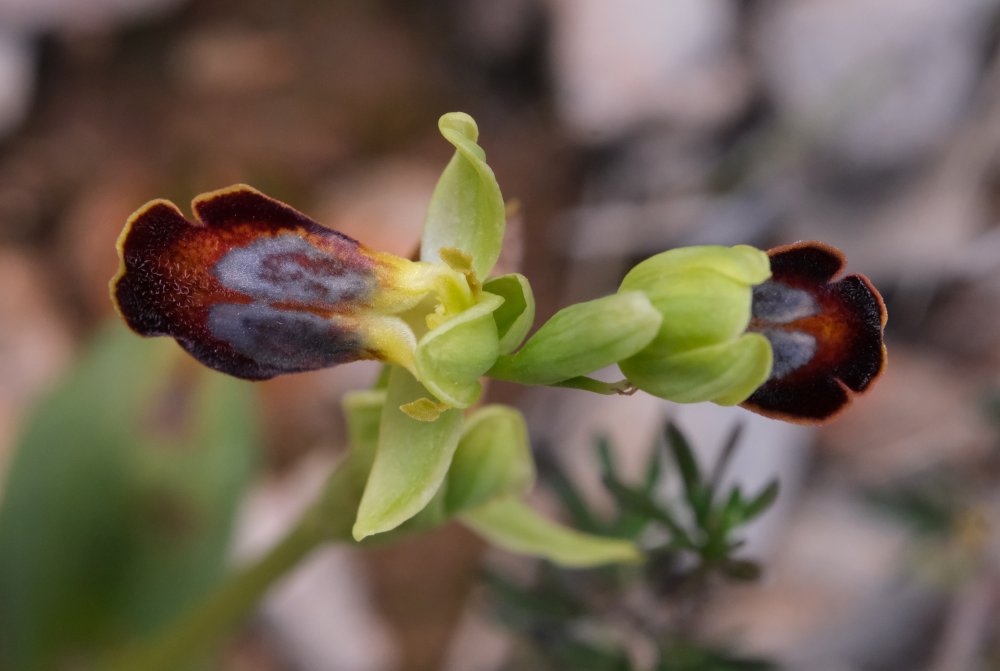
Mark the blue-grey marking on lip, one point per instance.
(792, 349)
(283, 340)
(780, 304)
(272, 269)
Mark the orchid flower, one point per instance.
(254, 288)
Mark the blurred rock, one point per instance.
(831, 593)
(421, 585)
(878, 84)
(479, 644)
(496, 31)
(35, 345)
(619, 65)
(226, 60)
(923, 414)
(91, 224)
(382, 205)
(302, 412)
(320, 615)
(17, 80)
(30, 16)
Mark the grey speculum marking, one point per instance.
(792, 350)
(286, 268)
(780, 304)
(285, 341)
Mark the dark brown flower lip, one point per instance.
(252, 288)
(826, 334)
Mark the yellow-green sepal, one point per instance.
(451, 357)
(493, 459)
(726, 373)
(515, 526)
(466, 210)
(515, 317)
(411, 459)
(582, 338)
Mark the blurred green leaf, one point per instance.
(569, 495)
(654, 468)
(120, 499)
(760, 503)
(525, 608)
(411, 460)
(698, 496)
(643, 504)
(466, 211)
(743, 570)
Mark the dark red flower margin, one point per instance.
(826, 334)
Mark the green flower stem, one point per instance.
(620, 388)
(193, 635)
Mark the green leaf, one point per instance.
(120, 500)
(466, 211)
(644, 505)
(684, 456)
(698, 497)
(582, 338)
(411, 460)
(514, 526)
(493, 459)
(760, 503)
(451, 358)
(554, 475)
(744, 570)
(515, 317)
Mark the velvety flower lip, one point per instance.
(252, 287)
(826, 334)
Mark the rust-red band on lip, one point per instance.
(826, 334)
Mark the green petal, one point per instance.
(451, 358)
(583, 338)
(493, 459)
(515, 317)
(466, 211)
(514, 526)
(411, 460)
(726, 373)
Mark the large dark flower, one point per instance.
(254, 288)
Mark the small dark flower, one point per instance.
(826, 335)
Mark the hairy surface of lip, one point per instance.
(252, 287)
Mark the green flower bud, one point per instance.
(493, 460)
(702, 351)
(582, 338)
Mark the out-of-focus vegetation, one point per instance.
(120, 501)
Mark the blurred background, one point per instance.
(620, 129)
